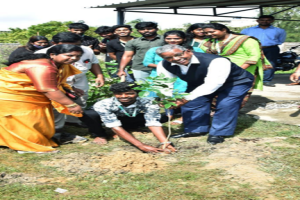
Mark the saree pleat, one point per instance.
(26, 115)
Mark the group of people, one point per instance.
(45, 84)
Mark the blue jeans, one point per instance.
(129, 77)
(196, 113)
(271, 54)
(140, 75)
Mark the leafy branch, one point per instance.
(96, 93)
(160, 85)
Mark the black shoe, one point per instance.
(180, 135)
(214, 139)
(269, 84)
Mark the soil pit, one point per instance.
(116, 163)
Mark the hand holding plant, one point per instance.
(168, 99)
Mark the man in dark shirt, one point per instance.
(80, 29)
(116, 47)
(138, 48)
(106, 32)
(126, 110)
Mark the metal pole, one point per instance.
(120, 17)
(261, 10)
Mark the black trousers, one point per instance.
(93, 120)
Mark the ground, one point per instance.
(260, 162)
(278, 104)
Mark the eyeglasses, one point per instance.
(177, 55)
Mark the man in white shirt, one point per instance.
(207, 76)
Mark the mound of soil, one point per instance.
(117, 163)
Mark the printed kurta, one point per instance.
(241, 50)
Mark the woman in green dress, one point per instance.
(243, 50)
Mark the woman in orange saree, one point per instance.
(29, 89)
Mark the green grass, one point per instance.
(285, 166)
(181, 179)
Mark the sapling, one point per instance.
(95, 93)
(160, 85)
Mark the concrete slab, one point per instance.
(276, 103)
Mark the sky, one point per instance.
(22, 14)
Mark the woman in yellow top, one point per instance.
(243, 50)
(30, 87)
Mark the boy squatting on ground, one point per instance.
(123, 110)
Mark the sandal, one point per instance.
(292, 84)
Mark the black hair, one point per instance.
(33, 39)
(57, 49)
(121, 26)
(187, 46)
(122, 87)
(142, 25)
(189, 35)
(104, 29)
(66, 37)
(180, 34)
(219, 27)
(266, 16)
(26, 55)
(78, 26)
(63, 48)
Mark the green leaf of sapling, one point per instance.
(173, 104)
(167, 106)
(144, 93)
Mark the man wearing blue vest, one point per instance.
(207, 76)
(270, 37)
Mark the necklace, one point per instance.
(218, 46)
(122, 42)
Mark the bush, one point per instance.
(5, 51)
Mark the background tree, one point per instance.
(47, 29)
(291, 27)
(132, 23)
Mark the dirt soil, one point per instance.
(238, 158)
(117, 162)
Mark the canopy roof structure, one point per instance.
(179, 7)
(193, 3)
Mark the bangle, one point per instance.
(165, 143)
(171, 143)
(71, 105)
